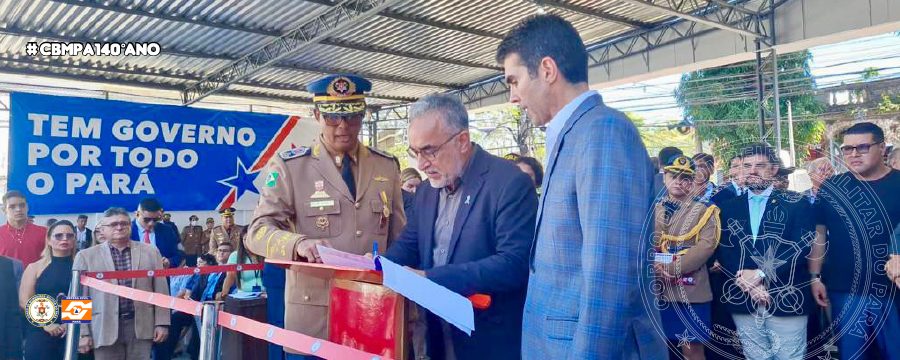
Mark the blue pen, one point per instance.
(375, 255)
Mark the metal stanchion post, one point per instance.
(73, 330)
(209, 330)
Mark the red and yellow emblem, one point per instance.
(341, 87)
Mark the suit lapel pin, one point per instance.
(468, 199)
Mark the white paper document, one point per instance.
(450, 306)
(339, 258)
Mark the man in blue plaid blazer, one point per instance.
(585, 299)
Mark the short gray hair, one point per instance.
(453, 111)
(116, 211)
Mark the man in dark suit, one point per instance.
(721, 316)
(167, 220)
(146, 228)
(11, 331)
(471, 231)
(734, 183)
(765, 242)
(84, 237)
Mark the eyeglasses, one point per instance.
(221, 251)
(335, 120)
(148, 220)
(862, 149)
(64, 236)
(430, 152)
(118, 224)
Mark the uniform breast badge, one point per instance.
(320, 191)
(322, 223)
(385, 209)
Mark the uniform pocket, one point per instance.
(323, 218)
(560, 327)
(381, 226)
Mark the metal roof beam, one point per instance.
(104, 5)
(392, 14)
(595, 13)
(132, 10)
(440, 24)
(195, 54)
(707, 15)
(637, 42)
(148, 85)
(383, 50)
(145, 71)
(314, 30)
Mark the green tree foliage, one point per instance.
(888, 105)
(722, 102)
(656, 138)
(870, 73)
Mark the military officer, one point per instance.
(195, 241)
(210, 224)
(337, 193)
(227, 232)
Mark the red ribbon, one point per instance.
(134, 274)
(273, 334)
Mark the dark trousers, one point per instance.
(273, 280)
(39, 345)
(275, 316)
(190, 260)
(723, 324)
(858, 326)
(179, 322)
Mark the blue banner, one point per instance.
(75, 155)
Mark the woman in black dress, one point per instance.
(50, 275)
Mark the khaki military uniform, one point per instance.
(194, 240)
(691, 234)
(219, 235)
(304, 197)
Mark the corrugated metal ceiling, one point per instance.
(411, 49)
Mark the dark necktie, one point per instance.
(347, 174)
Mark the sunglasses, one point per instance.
(862, 149)
(148, 220)
(64, 236)
(335, 120)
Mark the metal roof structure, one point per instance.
(270, 49)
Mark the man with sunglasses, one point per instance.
(147, 228)
(856, 211)
(336, 193)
